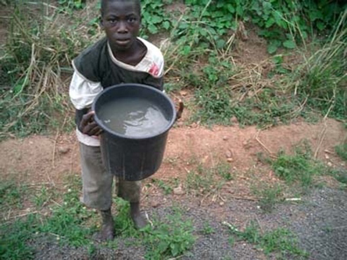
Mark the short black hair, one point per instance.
(137, 4)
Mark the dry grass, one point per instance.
(38, 62)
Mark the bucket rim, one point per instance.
(161, 93)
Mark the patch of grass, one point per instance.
(223, 169)
(69, 223)
(340, 175)
(43, 196)
(154, 18)
(68, 220)
(341, 150)
(70, 5)
(11, 195)
(322, 77)
(298, 168)
(268, 195)
(207, 229)
(206, 180)
(37, 55)
(171, 238)
(280, 241)
(14, 237)
(167, 188)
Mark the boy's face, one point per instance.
(121, 22)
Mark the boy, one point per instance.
(121, 57)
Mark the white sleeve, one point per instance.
(83, 91)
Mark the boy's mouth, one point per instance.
(123, 42)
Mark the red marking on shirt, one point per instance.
(154, 70)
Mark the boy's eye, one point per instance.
(112, 20)
(131, 19)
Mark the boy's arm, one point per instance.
(82, 94)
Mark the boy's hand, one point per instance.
(180, 109)
(88, 126)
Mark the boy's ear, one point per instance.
(101, 23)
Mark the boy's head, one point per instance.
(121, 20)
(136, 3)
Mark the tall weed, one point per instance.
(38, 54)
(323, 78)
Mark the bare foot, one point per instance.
(139, 221)
(107, 232)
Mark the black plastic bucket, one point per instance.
(133, 158)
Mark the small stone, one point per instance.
(246, 145)
(180, 123)
(178, 191)
(204, 160)
(228, 154)
(230, 159)
(194, 125)
(330, 164)
(63, 150)
(234, 120)
(221, 203)
(327, 157)
(250, 93)
(225, 138)
(155, 204)
(183, 93)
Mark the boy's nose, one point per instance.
(122, 27)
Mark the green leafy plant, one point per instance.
(67, 220)
(341, 150)
(205, 180)
(169, 239)
(69, 5)
(164, 186)
(340, 175)
(268, 195)
(299, 167)
(280, 241)
(11, 195)
(14, 237)
(207, 229)
(154, 18)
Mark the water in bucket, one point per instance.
(133, 117)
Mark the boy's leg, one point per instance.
(131, 191)
(97, 187)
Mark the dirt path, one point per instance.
(319, 221)
(48, 158)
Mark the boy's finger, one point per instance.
(87, 118)
(96, 130)
(89, 129)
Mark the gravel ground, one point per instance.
(319, 221)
